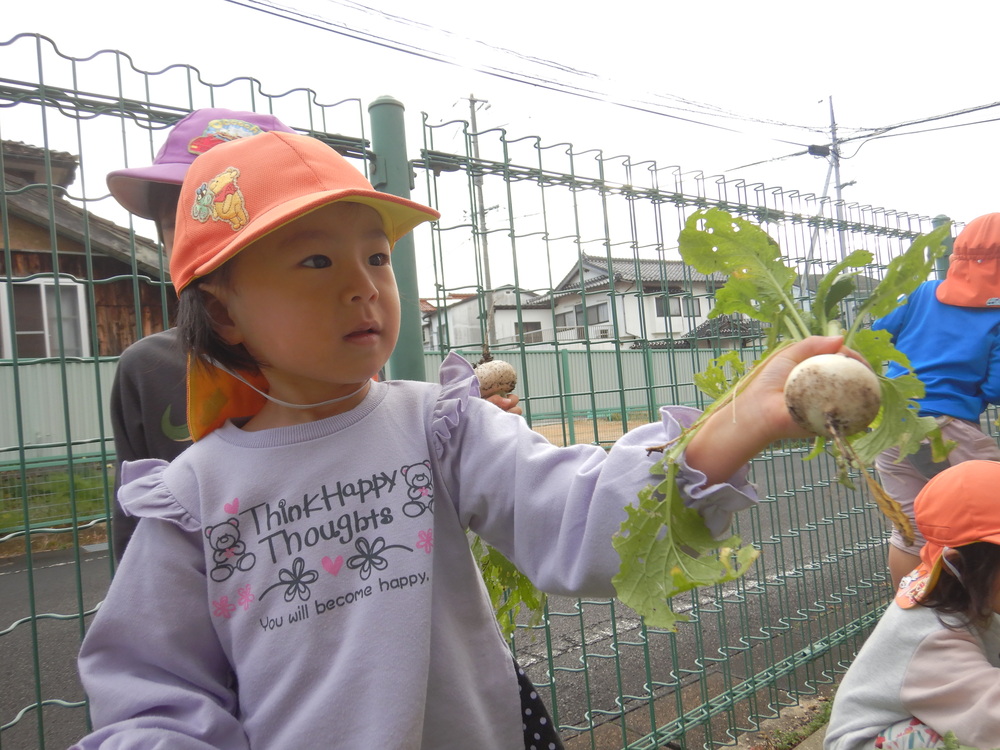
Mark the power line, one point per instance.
(766, 161)
(706, 109)
(879, 133)
(917, 132)
(590, 93)
(537, 80)
(932, 118)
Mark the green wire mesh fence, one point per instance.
(562, 260)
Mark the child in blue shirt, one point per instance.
(950, 332)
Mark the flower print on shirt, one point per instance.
(425, 540)
(369, 556)
(245, 597)
(223, 608)
(295, 580)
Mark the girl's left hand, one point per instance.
(758, 416)
(508, 403)
(764, 396)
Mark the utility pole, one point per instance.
(835, 163)
(491, 327)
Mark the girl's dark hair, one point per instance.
(197, 331)
(971, 599)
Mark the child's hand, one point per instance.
(758, 416)
(508, 403)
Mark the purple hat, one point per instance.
(189, 137)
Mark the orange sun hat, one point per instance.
(973, 278)
(238, 192)
(957, 507)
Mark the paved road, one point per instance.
(803, 559)
(62, 584)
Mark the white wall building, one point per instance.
(597, 301)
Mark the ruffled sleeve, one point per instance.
(458, 384)
(145, 494)
(717, 503)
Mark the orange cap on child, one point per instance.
(973, 278)
(235, 194)
(955, 508)
(240, 191)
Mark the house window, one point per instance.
(38, 321)
(566, 320)
(673, 304)
(529, 331)
(595, 313)
(678, 306)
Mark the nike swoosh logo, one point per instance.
(176, 432)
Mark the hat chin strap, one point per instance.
(286, 404)
(950, 565)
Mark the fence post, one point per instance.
(391, 174)
(567, 389)
(941, 264)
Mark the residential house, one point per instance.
(66, 271)
(597, 302)
(462, 319)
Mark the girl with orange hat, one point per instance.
(932, 664)
(305, 578)
(949, 331)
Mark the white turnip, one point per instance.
(832, 395)
(836, 397)
(496, 377)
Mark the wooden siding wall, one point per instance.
(114, 299)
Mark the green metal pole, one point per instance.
(391, 174)
(567, 388)
(941, 264)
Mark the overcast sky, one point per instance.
(755, 78)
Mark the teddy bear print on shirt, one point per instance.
(420, 490)
(228, 550)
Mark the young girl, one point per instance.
(305, 577)
(932, 665)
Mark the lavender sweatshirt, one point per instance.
(326, 568)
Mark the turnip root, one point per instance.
(496, 377)
(831, 394)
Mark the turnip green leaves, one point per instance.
(664, 547)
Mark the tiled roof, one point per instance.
(33, 205)
(545, 300)
(727, 327)
(642, 269)
(19, 148)
(722, 327)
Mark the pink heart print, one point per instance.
(333, 566)
(233, 507)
